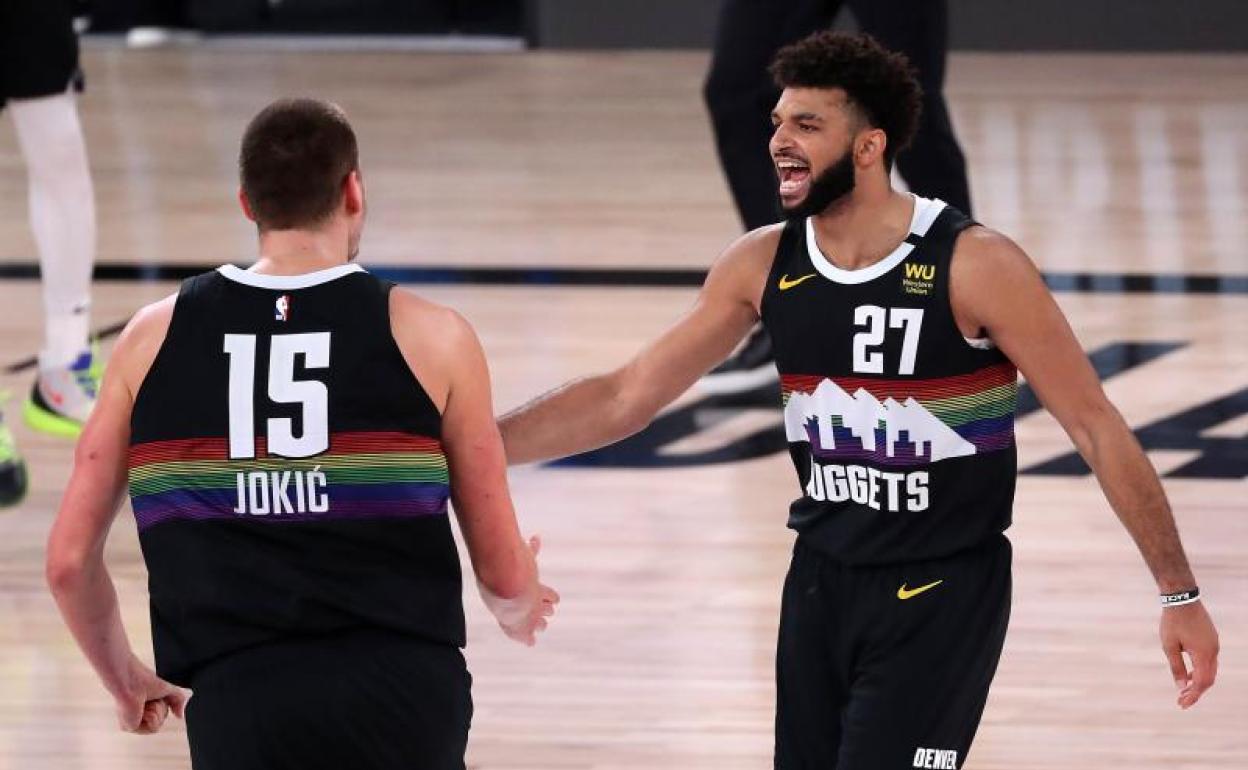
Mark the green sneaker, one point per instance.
(63, 396)
(13, 479)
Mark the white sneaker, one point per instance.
(63, 396)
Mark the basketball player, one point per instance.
(291, 435)
(38, 73)
(898, 324)
(740, 95)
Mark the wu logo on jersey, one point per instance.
(918, 279)
(281, 311)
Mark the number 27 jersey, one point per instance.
(901, 430)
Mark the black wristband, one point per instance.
(1182, 597)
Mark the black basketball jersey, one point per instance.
(901, 429)
(286, 471)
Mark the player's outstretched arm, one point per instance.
(76, 571)
(591, 412)
(446, 356)
(995, 286)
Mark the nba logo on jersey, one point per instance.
(282, 311)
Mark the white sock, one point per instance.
(62, 216)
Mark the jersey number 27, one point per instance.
(870, 361)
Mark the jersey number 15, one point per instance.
(283, 388)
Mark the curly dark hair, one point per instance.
(881, 83)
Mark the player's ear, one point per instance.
(246, 205)
(353, 192)
(869, 146)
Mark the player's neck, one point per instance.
(864, 228)
(295, 252)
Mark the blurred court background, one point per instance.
(547, 168)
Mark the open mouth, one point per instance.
(794, 176)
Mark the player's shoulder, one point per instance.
(984, 255)
(416, 320)
(753, 252)
(990, 271)
(409, 307)
(437, 342)
(141, 340)
(761, 242)
(151, 321)
(978, 243)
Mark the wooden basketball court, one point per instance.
(1133, 169)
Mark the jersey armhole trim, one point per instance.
(387, 288)
(178, 308)
(984, 343)
(790, 232)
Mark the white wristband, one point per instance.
(1182, 597)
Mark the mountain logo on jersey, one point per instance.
(841, 426)
(902, 422)
(281, 311)
(918, 279)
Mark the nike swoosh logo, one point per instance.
(786, 284)
(904, 593)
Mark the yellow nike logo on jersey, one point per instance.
(786, 284)
(904, 593)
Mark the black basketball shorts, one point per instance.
(363, 701)
(38, 49)
(888, 667)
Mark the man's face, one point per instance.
(812, 149)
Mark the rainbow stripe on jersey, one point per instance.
(361, 475)
(902, 422)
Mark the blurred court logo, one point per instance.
(743, 426)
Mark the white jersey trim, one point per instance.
(284, 282)
(925, 212)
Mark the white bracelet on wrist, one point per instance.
(1189, 596)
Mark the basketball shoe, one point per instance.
(63, 396)
(13, 480)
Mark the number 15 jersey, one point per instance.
(286, 471)
(901, 429)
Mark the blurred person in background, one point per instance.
(39, 75)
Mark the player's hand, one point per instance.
(147, 701)
(1188, 628)
(525, 616)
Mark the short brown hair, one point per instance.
(879, 82)
(294, 157)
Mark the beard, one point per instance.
(832, 185)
